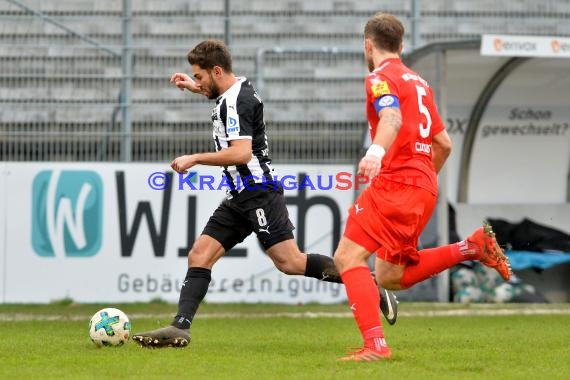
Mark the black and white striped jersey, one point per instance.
(239, 115)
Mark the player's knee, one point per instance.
(199, 256)
(389, 279)
(389, 283)
(285, 269)
(285, 266)
(287, 257)
(341, 260)
(290, 263)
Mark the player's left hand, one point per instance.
(183, 163)
(183, 81)
(369, 166)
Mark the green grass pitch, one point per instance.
(429, 341)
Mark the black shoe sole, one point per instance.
(149, 342)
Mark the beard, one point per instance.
(213, 92)
(370, 63)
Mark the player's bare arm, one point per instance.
(238, 153)
(441, 149)
(388, 127)
(184, 82)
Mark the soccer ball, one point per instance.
(504, 293)
(109, 327)
(469, 294)
(462, 278)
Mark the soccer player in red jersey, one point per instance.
(409, 147)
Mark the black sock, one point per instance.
(192, 293)
(322, 268)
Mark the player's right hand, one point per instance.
(184, 82)
(369, 166)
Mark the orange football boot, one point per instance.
(366, 354)
(491, 254)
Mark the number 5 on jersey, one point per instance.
(424, 130)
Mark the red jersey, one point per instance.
(408, 159)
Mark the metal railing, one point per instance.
(80, 82)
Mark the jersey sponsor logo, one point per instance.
(233, 126)
(423, 147)
(380, 88)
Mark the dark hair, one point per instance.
(385, 31)
(210, 53)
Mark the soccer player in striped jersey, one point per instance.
(255, 200)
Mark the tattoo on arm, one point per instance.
(388, 127)
(392, 118)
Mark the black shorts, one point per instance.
(261, 211)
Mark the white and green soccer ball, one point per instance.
(469, 294)
(109, 327)
(506, 292)
(462, 278)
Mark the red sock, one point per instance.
(434, 260)
(363, 298)
(374, 338)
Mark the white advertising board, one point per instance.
(3, 217)
(521, 154)
(100, 233)
(525, 46)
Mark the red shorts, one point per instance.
(389, 219)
